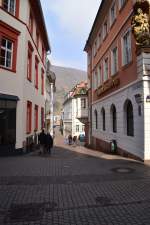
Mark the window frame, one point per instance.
(36, 81)
(42, 81)
(36, 117)
(112, 20)
(11, 34)
(126, 59)
(29, 61)
(29, 117)
(106, 69)
(114, 69)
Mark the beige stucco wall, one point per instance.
(17, 83)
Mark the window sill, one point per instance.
(5, 68)
(124, 67)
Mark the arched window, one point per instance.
(129, 118)
(114, 118)
(96, 119)
(103, 118)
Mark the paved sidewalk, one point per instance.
(73, 186)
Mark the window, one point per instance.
(95, 79)
(42, 117)
(37, 38)
(99, 75)
(105, 29)
(77, 128)
(105, 69)
(121, 3)
(83, 103)
(113, 13)
(8, 47)
(29, 62)
(129, 118)
(99, 39)
(114, 118)
(126, 48)
(36, 117)
(10, 6)
(103, 119)
(29, 117)
(31, 23)
(6, 53)
(96, 119)
(42, 81)
(36, 71)
(114, 61)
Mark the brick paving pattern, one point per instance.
(70, 188)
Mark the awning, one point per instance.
(9, 97)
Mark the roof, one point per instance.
(36, 6)
(93, 27)
(79, 89)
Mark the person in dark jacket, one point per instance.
(49, 142)
(42, 140)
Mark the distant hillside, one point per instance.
(66, 78)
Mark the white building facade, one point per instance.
(24, 43)
(75, 108)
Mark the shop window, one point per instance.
(129, 118)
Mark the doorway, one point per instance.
(7, 124)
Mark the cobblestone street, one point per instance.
(72, 188)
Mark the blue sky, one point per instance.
(68, 24)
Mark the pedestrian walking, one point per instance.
(74, 141)
(70, 139)
(42, 140)
(49, 142)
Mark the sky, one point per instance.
(69, 23)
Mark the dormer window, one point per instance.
(9, 6)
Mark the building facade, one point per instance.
(23, 46)
(118, 77)
(75, 110)
(49, 105)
